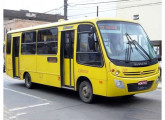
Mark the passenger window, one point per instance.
(28, 44)
(8, 49)
(88, 50)
(47, 41)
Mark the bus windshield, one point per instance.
(125, 41)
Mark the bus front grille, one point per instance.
(139, 73)
(148, 72)
(131, 73)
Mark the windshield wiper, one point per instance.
(132, 42)
(128, 50)
(135, 43)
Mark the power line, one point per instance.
(149, 4)
(82, 1)
(54, 9)
(107, 5)
(87, 4)
(93, 7)
(99, 2)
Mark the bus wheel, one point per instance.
(4, 69)
(28, 81)
(86, 92)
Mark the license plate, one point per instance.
(142, 82)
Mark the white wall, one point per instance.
(150, 16)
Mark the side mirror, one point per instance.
(91, 42)
(159, 57)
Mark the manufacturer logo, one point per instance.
(142, 73)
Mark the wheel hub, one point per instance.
(27, 81)
(86, 92)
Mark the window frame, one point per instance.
(101, 53)
(42, 29)
(29, 43)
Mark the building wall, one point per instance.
(150, 16)
(19, 23)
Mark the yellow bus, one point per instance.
(97, 56)
(4, 56)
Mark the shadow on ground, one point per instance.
(69, 94)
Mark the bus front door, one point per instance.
(67, 58)
(16, 56)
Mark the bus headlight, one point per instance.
(157, 80)
(119, 84)
(117, 72)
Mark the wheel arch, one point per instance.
(25, 74)
(80, 79)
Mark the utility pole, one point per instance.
(97, 11)
(65, 9)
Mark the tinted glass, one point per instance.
(16, 46)
(8, 49)
(88, 50)
(47, 48)
(47, 41)
(47, 35)
(117, 35)
(83, 28)
(29, 37)
(28, 48)
(68, 44)
(93, 59)
(28, 45)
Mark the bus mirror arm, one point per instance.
(91, 42)
(92, 30)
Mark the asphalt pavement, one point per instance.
(50, 103)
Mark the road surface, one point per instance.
(50, 103)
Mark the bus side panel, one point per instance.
(97, 77)
(28, 64)
(8, 63)
(48, 72)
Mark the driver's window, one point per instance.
(88, 50)
(83, 42)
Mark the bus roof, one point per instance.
(65, 22)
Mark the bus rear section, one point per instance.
(12, 55)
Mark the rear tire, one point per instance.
(86, 92)
(28, 82)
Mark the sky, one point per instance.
(74, 11)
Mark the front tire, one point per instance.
(4, 69)
(28, 82)
(86, 92)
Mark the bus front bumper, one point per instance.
(118, 86)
